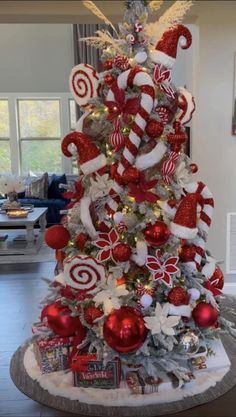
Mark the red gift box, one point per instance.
(53, 354)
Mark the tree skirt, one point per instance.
(56, 390)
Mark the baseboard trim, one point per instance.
(230, 288)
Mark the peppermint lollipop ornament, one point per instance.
(84, 83)
(84, 273)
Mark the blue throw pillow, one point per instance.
(54, 191)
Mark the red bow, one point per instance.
(162, 77)
(106, 242)
(140, 191)
(121, 107)
(76, 195)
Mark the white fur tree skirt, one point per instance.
(61, 384)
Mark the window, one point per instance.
(39, 135)
(5, 158)
(72, 109)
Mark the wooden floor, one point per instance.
(21, 290)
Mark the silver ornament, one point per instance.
(188, 342)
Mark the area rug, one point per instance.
(45, 254)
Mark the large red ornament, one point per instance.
(154, 129)
(217, 279)
(124, 330)
(130, 174)
(157, 234)
(178, 296)
(57, 236)
(205, 315)
(187, 253)
(121, 252)
(61, 322)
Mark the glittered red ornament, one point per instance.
(121, 252)
(205, 315)
(92, 313)
(124, 330)
(187, 253)
(80, 240)
(157, 234)
(130, 174)
(178, 138)
(217, 279)
(61, 322)
(107, 65)
(194, 168)
(109, 79)
(178, 296)
(154, 129)
(57, 236)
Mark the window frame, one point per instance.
(14, 129)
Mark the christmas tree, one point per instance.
(137, 294)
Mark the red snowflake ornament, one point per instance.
(162, 270)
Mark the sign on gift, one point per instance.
(97, 375)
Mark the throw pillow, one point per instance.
(38, 188)
(54, 190)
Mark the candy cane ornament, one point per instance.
(132, 77)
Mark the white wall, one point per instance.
(35, 57)
(213, 146)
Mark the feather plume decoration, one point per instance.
(173, 15)
(155, 5)
(95, 10)
(102, 40)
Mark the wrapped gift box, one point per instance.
(217, 360)
(52, 354)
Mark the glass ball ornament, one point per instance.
(146, 300)
(188, 342)
(157, 234)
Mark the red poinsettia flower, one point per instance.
(120, 106)
(141, 192)
(162, 270)
(211, 287)
(76, 195)
(106, 242)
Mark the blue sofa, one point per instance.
(54, 202)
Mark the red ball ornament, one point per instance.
(124, 330)
(121, 252)
(187, 253)
(154, 129)
(92, 313)
(61, 322)
(109, 79)
(130, 174)
(157, 234)
(178, 296)
(194, 168)
(217, 279)
(80, 240)
(57, 236)
(107, 65)
(205, 315)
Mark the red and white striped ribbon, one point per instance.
(168, 167)
(132, 77)
(204, 222)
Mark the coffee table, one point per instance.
(27, 243)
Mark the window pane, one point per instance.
(4, 119)
(39, 118)
(5, 160)
(72, 114)
(41, 156)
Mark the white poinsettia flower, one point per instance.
(182, 174)
(110, 295)
(100, 186)
(161, 322)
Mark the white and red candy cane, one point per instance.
(132, 77)
(186, 106)
(204, 222)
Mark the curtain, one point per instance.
(84, 53)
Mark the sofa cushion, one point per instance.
(38, 188)
(54, 191)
